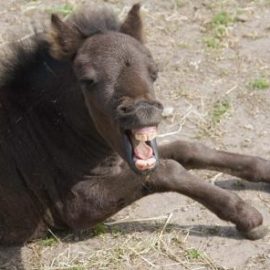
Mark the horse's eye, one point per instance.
(153, 72)
(87, 83)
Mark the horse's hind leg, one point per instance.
(198, 156)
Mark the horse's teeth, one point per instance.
(145, 137)
(152, 136)
(141, 137)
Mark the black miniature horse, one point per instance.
(78, 123)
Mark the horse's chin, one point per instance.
(141, 149)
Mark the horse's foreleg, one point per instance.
(94, 199)
(171, 176)
(198, 156)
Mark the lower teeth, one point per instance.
(145, 164)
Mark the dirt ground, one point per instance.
(214, 60)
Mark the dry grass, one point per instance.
(165, 248)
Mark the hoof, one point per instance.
(257, 233)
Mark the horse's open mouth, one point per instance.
(141, 148)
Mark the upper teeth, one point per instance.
(145, 137)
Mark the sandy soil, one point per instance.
(214, 59)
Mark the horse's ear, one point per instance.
(64, 39)
(133, 25)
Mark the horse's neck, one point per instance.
(48, 124)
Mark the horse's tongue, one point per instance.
(143, 151)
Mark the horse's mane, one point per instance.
(23, 57)
(90, 22)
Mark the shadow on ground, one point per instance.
(237, 185)
(127, 228)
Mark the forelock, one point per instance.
(91, 21)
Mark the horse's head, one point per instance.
(116, 73)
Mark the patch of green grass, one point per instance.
(218, 29)
(100, 229)
(222, 18)
(48, 242)
(220, 32)
(180, 3)
(220, 108)
(65, 9)
(212, 42)
(259, 84)
(210, 127)
(193, 254)
(77, 268)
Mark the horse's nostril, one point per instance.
(159, 105)
(123, 109)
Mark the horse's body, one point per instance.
(78, 120)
